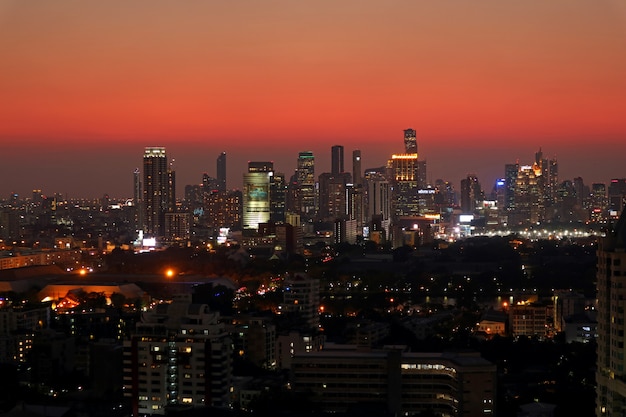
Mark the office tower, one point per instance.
(138, 199)
(410, 141)
(582, 195)
(510, 181)
(471, 194)
(306, 185)
(221, 172)
(256, 194)
(179, 355)
(336, 166)
(278, 195)
(156, 190)
(171, 188)
(357, 173)
(611, 317)
(422, 181)
(529, 208)
(617, 195)
(598, 203)
(404, 177)
(223, 209)
(377, 205)
(332, 196)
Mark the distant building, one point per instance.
(305, 183)
(336, 161)
(177, 227)
(155, 190)
(221, 172)
(256, 194)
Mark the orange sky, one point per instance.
(90, 83)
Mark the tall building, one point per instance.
(138, 199)
(510, 182)
(256, 194)
(529, 203)
(336, 165)
(156, 188)
(617, 195)
(179, 355)
(598, 203)
(357, 173)
(405, 185)
(223, 209)
(471, 193)
(333, 199)
(221, 172)
(278, 197)
(305, 173)
(611, 318)
(410, 141)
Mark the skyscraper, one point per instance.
(221, 172)
(306, 185)
(138, 199)
(156, 190)
(471, 193)
(357, 173)
(611, 318)
(336, 166)
(404, 176)
(410, 141)
(256, 194)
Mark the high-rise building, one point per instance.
(156, 182)
(256, 194)
(332, 196)
(357, 173)
(611, 318)
(223, 209)
(410, 141)
(221, 172)
(278, 195)
(529, 207)
(471, 193)
(405, 185)
(598, 203)
(617, 195)
(305, 172)
(138, 199)
(179, 355)
(336, 165)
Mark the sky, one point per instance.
(86, 85)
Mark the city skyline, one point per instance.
(88, 86)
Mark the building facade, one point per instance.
(155, 190)
(180, 354)
(611, 322)
(445, 384)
